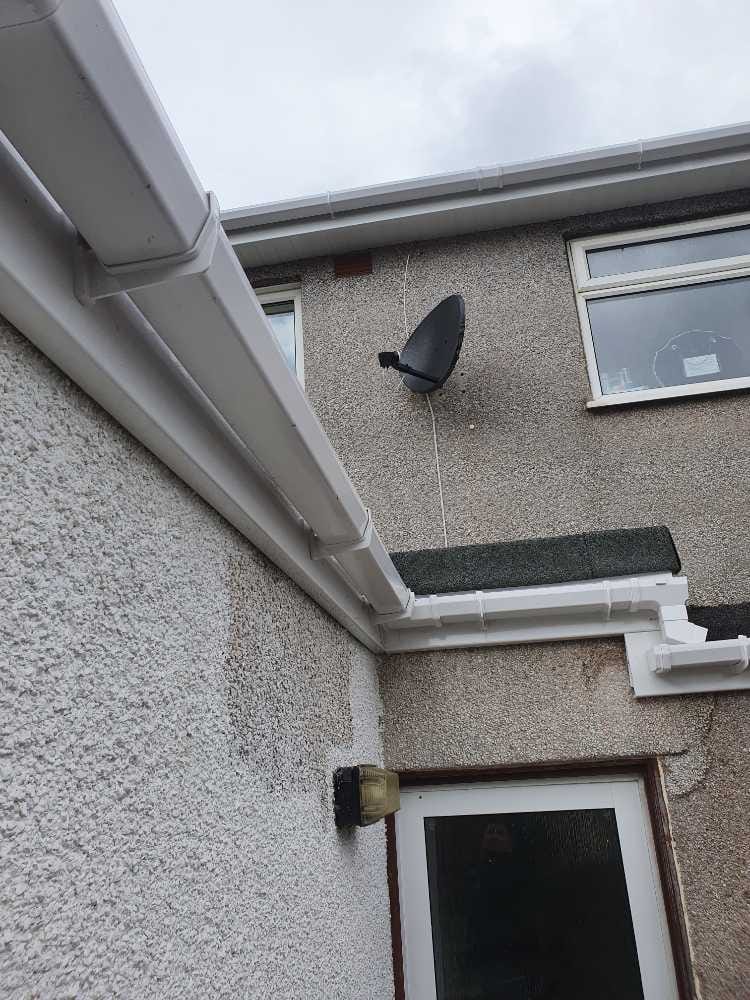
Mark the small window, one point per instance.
(531, 889)
(665, 312)
(282, 306)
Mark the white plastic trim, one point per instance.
(730, 654)
(94, 280)
(137, 199)
(115, 356)
(231, 419)
(542, 614)
(658, 668)
(605, 599)
(633, 155)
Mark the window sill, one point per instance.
(669, 392)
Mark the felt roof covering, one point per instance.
(723, 621)
(538, 561)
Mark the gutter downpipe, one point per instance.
(93, 131)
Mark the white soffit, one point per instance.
(694, 163)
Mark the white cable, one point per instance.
(432, 415)
(406, 273)
(437, 467)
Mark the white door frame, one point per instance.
(625, 793)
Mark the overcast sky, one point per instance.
(280, 99)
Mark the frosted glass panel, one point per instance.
(530, 906)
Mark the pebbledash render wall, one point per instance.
(172, 708)
(521, 457)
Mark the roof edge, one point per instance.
(683, 147)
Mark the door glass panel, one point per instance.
(668, 252)
(530, 906)
(672, 336)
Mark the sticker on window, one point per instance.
(701, 364)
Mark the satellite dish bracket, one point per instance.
(389, 359)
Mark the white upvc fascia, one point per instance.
(578, 610)
(190, 367)
(93, 131)
(492, 198)
(666, 653)
(115, 356)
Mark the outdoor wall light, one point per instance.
(364, 794)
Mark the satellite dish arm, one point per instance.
(389, 359)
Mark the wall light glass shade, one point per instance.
(364, 794)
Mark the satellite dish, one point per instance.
(431, 353)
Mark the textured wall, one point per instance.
(171, 708)
(571, 701)
(522, 457)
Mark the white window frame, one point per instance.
(587, 288)
(625, 793)
(289, 293)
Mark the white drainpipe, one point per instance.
(91, 128)
(728, 654)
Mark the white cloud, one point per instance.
(273, 101)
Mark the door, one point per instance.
(542, 889)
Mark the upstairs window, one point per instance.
(665, 312)
(282, 305)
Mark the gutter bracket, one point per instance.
(94, 280)
(325, 550)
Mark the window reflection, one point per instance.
(672, 336)
(668, 252)
(530, 906)
(281, 318)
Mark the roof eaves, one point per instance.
(490, 197)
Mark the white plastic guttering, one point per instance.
(647, 171)
(666, 653)
(92, 130)
(114, 355)
(534, 614)
(159, 282)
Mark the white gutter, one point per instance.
(544, 614)
(642, 172)
(92, 130)
(159, 274)
(115, 356)
(666, 653)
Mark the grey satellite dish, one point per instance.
(431, 353)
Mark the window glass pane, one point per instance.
(672, 336)
(530, 905)
(667, 253)
(281, 318)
